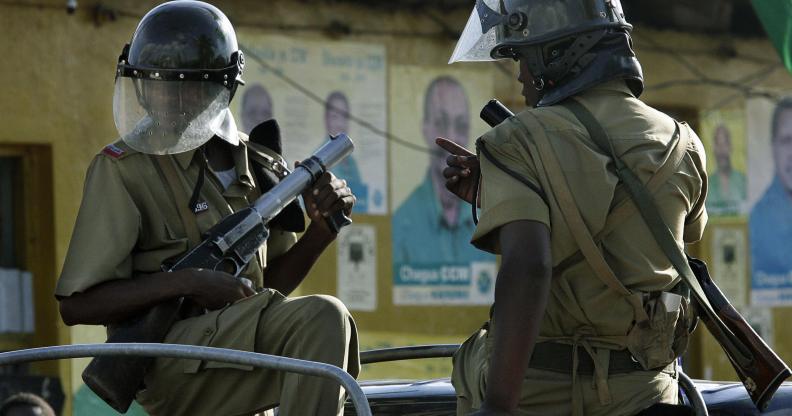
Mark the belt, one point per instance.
(552, 356)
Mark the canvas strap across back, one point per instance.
(571, 213)
(623, 207)
(660, 230)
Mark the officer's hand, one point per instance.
(462, 171)
(328, 196)
(212, 289)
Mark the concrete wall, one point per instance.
(57, 83)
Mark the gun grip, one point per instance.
(337, 221)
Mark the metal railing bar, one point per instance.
(692, 393)
(408, 353)
(192, 352)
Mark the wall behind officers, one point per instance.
(431, 227)
(179, 167)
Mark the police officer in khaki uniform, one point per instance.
(586, 319)
(180, 167)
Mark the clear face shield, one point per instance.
(167, 117)
(169, 111)
(476, 41)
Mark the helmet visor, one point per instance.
(475, 45)
(167, 117)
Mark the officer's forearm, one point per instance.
(118, 300)
(286, 272)
(521, 292)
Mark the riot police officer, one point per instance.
(179, 167)
(586, 319)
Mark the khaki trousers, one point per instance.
(551, 393)
(316, 328)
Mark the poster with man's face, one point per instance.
(723, 135)
(433, 260)
(335, 82)
(770, 201)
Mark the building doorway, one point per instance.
(28, 311)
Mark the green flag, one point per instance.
(776, 17)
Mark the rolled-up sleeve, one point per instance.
(105, 232)
(696, 218)
(505, 199)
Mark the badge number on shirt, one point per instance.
(200, 207)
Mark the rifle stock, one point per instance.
(228, 247)
(116, 380)
(764, 372)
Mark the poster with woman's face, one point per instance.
(723, 135)
(770, 201)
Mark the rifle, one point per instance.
(228, 246)
(760, 369)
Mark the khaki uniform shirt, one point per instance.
(581, 302)
(128, 223)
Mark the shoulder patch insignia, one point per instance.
(113, 151)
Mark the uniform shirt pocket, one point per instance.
(159, 246)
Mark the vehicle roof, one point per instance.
(722, 397)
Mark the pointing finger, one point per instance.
(452, 147)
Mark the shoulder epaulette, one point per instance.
(117, 150)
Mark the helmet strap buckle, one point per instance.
(539, 83)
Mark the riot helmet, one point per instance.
(176, 78)
(569, 45)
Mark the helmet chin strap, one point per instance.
(565, 57)
(611, 59)
(237, 58)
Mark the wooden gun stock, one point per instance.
(116, 380)
(766, 371)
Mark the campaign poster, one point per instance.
(317, 89)
(761, 321)
(770, 201)
(433, 260)
(357, 267)
(729, 265)
(723, 135)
